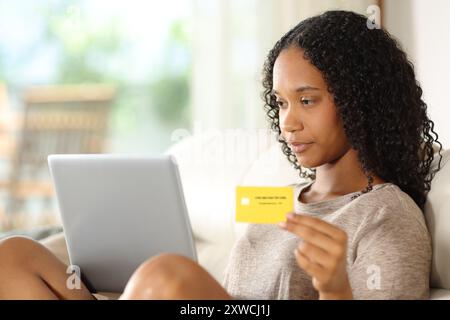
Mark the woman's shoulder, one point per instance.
(394, 205)
(389, 195)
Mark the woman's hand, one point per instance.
(322, 254)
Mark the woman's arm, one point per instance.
(392, 257)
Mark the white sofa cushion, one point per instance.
(211, 165)
(437, 214)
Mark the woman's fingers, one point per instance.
(312, 236)
(314, 253)
(317, 224)
(323, 252)
(311, 268)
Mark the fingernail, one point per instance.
(282, 225)
(290, 215)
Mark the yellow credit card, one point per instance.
(263, 204)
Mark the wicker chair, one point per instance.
(58, 119)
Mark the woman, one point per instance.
(345, 103)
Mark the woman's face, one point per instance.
(306, 110)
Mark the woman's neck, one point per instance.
(342, 176)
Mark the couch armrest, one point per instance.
(57, 244)
(439, 294)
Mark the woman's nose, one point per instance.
(290, 121)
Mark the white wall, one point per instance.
(423, 27)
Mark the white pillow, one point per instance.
(437, 214)
(211, 165)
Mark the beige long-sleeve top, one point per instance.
(388, 254)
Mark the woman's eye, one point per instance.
(280, 104)
(307, 102)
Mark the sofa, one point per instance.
(213, 163)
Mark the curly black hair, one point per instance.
(376, 95)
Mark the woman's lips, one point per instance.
(299, 147)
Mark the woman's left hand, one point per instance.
(322, 254)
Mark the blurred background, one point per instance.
(97, 76)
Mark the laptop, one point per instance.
(118, 211)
